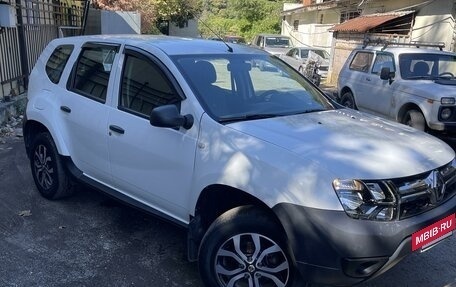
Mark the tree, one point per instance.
(153, 12)
(241, 17)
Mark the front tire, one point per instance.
(47, 168)
(348, 100)
(245, 247)
(415, 119)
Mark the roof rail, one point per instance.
(387, 43)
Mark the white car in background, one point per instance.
(299, 57)
(414, 85)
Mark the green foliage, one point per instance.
(241, 17)
(226, 17)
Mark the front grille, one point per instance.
(424, 192)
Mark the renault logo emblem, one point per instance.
(436, 186)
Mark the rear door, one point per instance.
(84, 108)
(150, 164)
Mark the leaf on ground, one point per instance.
(25, 213)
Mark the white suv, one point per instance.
(275, 183)
(411, 85)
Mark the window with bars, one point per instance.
(349, 14)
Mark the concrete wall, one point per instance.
(310, 31)
(436, 23)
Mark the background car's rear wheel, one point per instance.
(348, 100)
(245, 247)
(47, 168)
(415, 119)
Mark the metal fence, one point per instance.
(38, 22)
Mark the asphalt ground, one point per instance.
(91, 240)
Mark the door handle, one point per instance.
(117, 129)
(65, 109)
(368, 79)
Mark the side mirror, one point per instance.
(168, 116)
(386, 74)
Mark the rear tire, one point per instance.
(47, 168)
(415, 119)
(243, 246)
(348, 100)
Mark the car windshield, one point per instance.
(427, 66)
(233, 87)
(281, 42)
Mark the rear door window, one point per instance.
(91, 72)
(57, 62)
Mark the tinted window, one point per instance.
(57, 61)
(144, 86)
(92, 71)
(361, 61)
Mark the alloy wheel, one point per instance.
(42, 163)
(251, 260)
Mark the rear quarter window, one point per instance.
(57, 61)
(361, 61)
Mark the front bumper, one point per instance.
(449, 127)
(331, 248)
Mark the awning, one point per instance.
(366, 23)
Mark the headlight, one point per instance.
(447, 101)
(366, 200)
(445, 114)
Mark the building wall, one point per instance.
(310, 31)
(113, 22)
(436, 23)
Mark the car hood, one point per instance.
(350, 144)
(427, 88)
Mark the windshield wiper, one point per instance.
(248, 117)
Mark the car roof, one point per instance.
(405, 50)
(310, 48)
(169, 45)
(272, 35)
